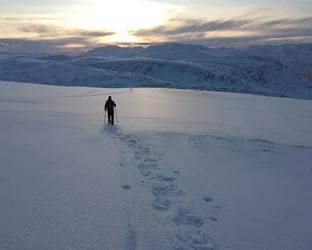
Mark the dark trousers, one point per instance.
(110, 116)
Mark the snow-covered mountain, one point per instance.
(169, 51)
(172, 65)
(296, 56)
(281, 51)
(70, 73)
(176, 51)
(114, 51)
(256, 75)
(220, 69)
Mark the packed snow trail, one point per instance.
(181, 170)
(184, 233)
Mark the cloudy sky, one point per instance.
(65, 24)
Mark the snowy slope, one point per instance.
(182, 169)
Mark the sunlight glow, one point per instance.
(71, 46)
(119, 16)
(93, 22)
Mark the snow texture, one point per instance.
(180, 170)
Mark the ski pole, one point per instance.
(116, 115)
(104, 116)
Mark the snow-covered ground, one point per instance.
(182, 169)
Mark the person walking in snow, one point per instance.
(109, 107)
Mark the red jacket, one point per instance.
(109, 105)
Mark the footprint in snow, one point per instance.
(149, 160)
(184, 217)
(207, 199)
(166, 190)
(195, 240)
(126, 187)
(138, 155)
(213, 218)
(146, 172)
(162, 204)
(132, 144)
(124, 138)
(160, 177)
(147, 166)
(142, 152)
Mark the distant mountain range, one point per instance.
(296, 56)
(114, 51)
(263, 70)
(285, 51)
(172, 51)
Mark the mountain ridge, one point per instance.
(169, 65)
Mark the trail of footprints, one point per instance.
(166, 192)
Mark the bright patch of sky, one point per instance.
(42, 19)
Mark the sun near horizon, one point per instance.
(69, 24)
